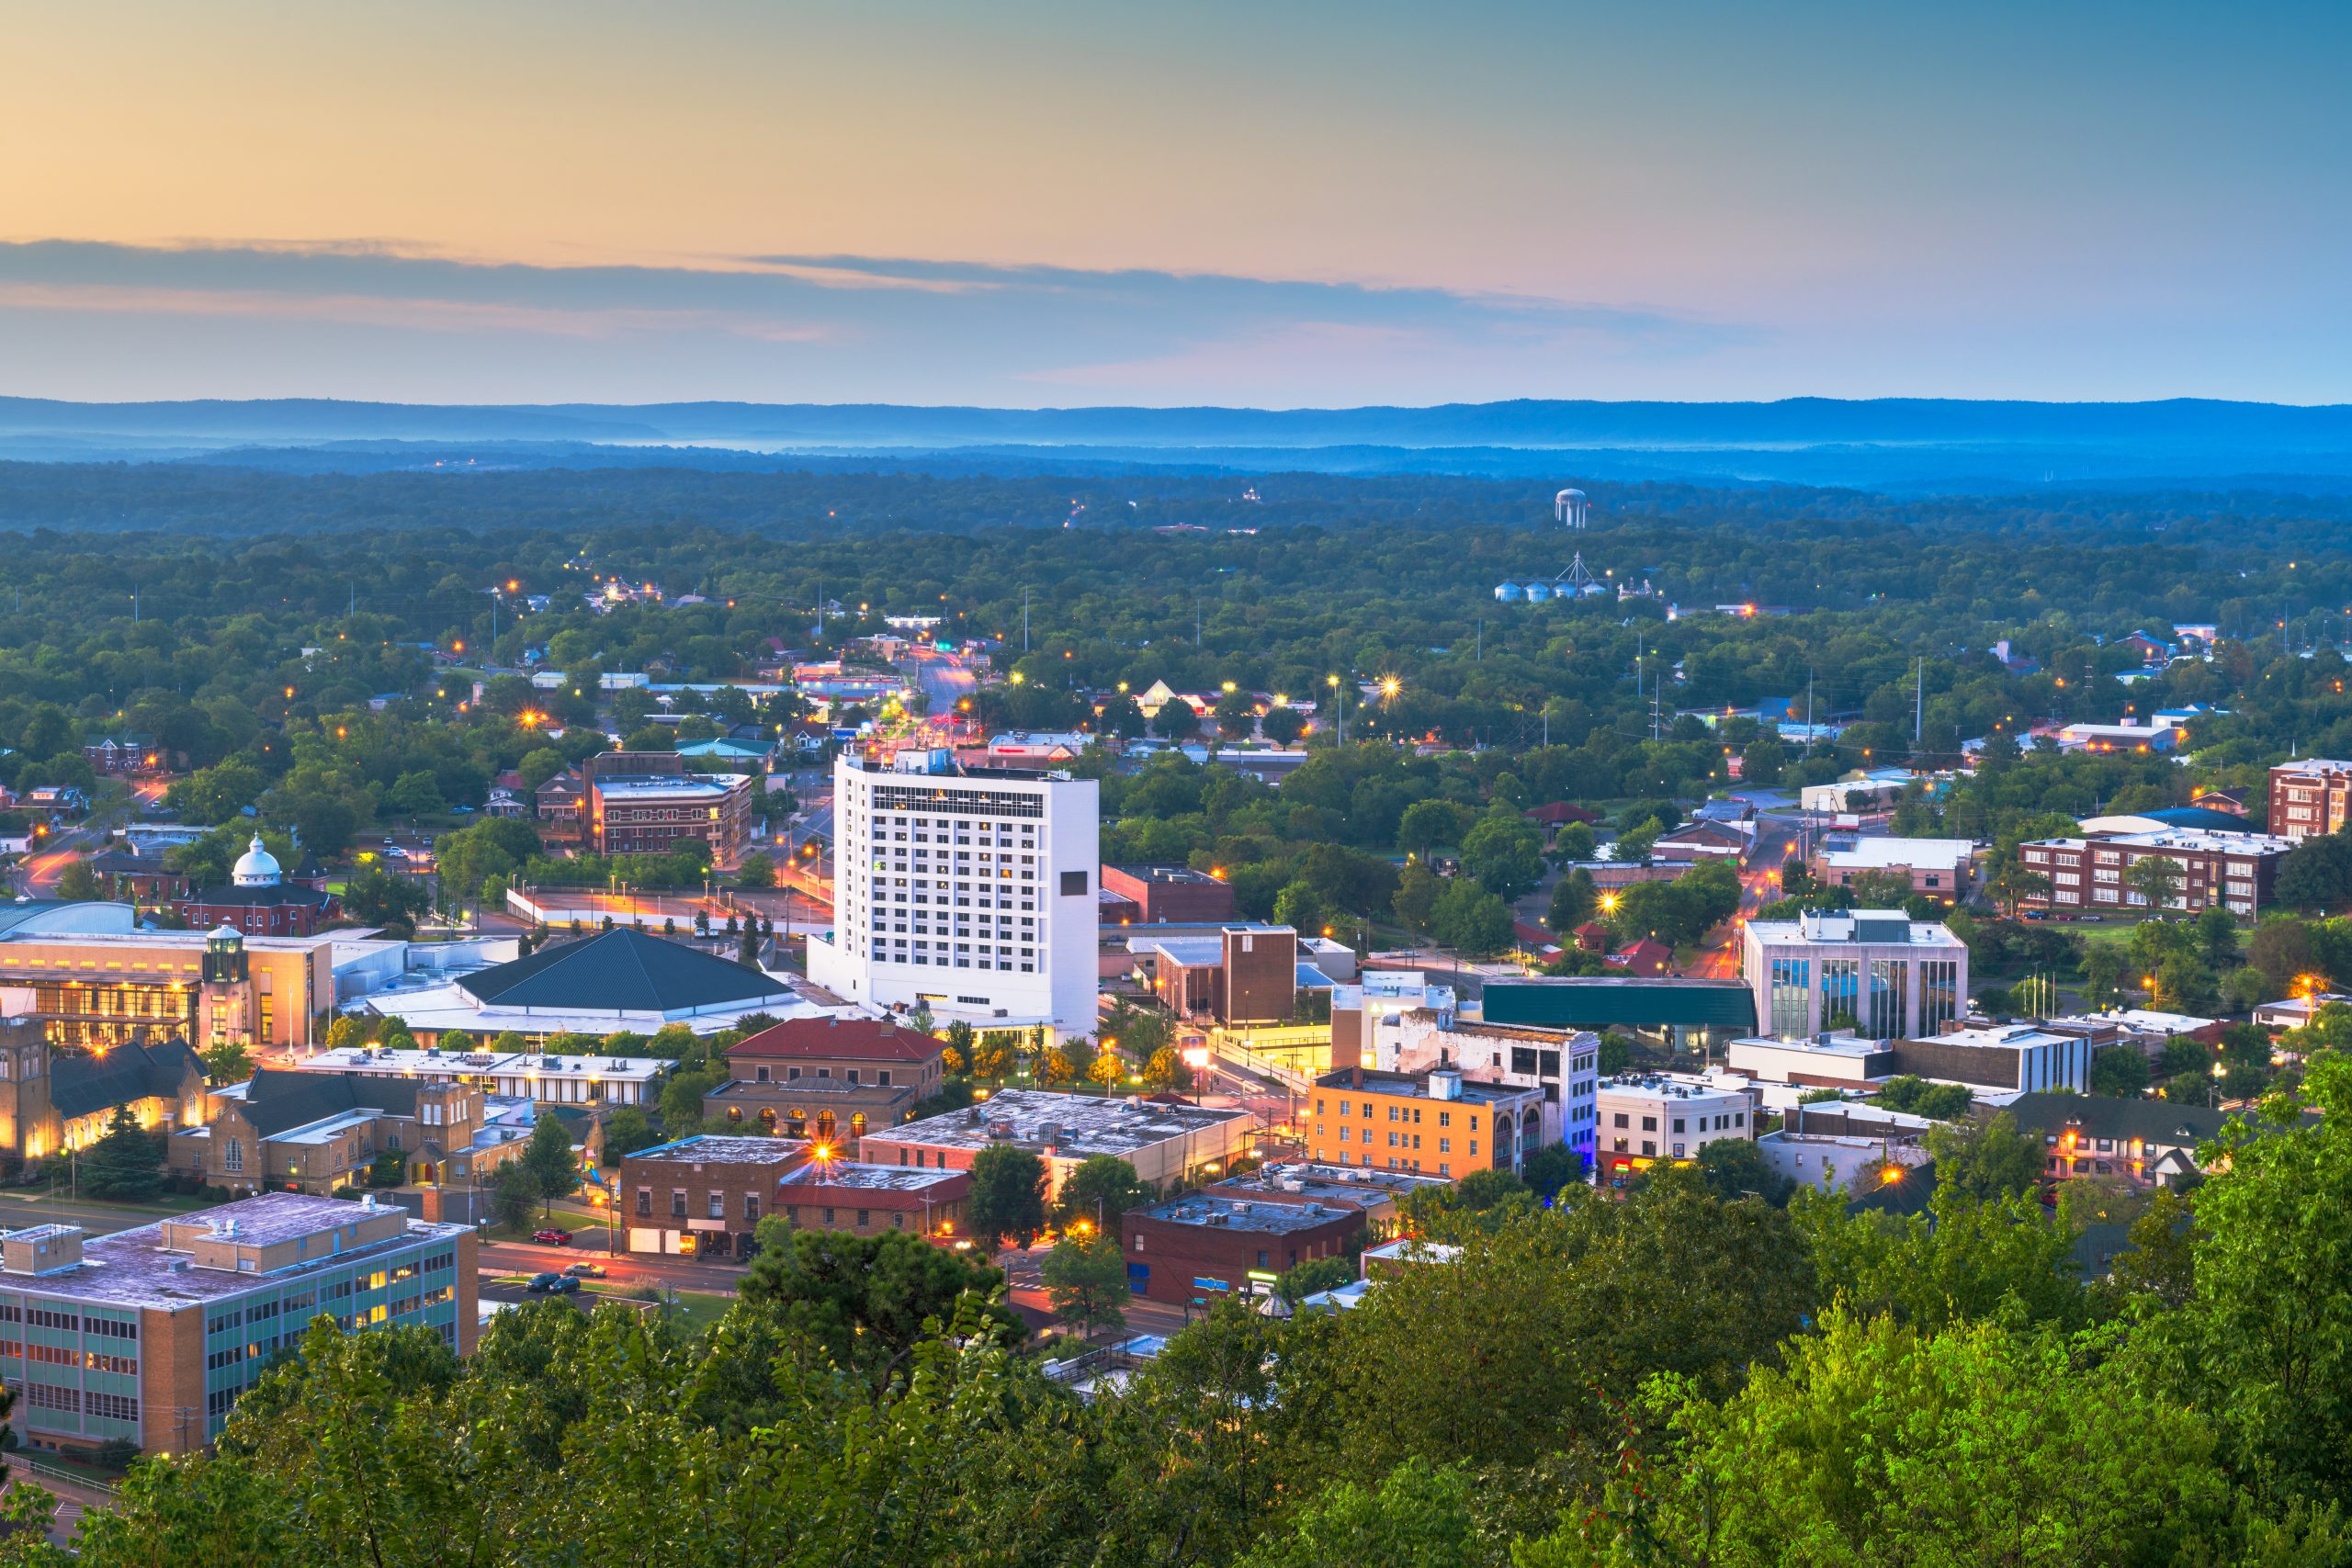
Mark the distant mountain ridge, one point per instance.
(1898, 442)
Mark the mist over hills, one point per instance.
(1923, 444)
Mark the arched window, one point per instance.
(857, 1125)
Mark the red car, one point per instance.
(552, 1237)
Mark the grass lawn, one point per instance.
(169, 1204)
(696, 1310)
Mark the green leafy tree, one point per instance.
(123, 1166)
(626, 1130)
(1086, 1280)
(1574, 902)
(1504, 852)
(78, 883)
(1418, 892)
(2086, 1466)
(514, 1195)
(757, 871)
(227, 1061)
(1471, 920)
(681, 1098)
(1300, 907)
(1312, 1278)
(1103, 1188)
(2156, 879)
(549, 1157)
(1428, 825)
(1414, 1517)
(2317, 872)
(1007, 1197)
(1988, 1160)
(2120, 1072)
(1735, 1168)
(867, 1302)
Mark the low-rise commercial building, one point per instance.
(1666, 1117)
(150, 1336)
(703, 1196)
(1166, 1139)
(1836, 1162)
(1381, 1194)
(862, 1199)
(1877, 972)
(650, 813)
(1560, 1065)
(1438, 1122)
(1243, 974)
(1202, 1248)
(2231, 870)
(540, 1078)
(1999, 1058)
(1164, 895)
(259, 900)
(1937, 867)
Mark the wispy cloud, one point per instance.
(364, 318)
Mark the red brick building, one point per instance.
(1204, 1248)
(2308, 798)
(259, 900)
(2234, 870)
(840, 1195)
(1170, 895)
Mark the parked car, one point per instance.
(552, 1237)
(542, 1283)
(586, 1270)
(564, 1286)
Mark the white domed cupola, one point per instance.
(256, 867)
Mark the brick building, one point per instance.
(1166, 1140)
(1171, 894)
(316, 1131)
(53, 1100)
(703, 1196)
(1665, 1119)
(260, 900)
(1204, 1247)
(865, 1198)
(1436, 1122)
(827, 1079)
(631, 814)
(2308, 798)
(1236, 974)
(152, 1334)
(2235, 871)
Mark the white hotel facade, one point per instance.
(968, 892)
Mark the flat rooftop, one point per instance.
(1342, 1183)
(1883, 853)
(1242, 1214)
(712, 1149)
(132, 1269)
(1664, 1086)
(1873, 927)
(655, 787)
(1183, 875)
(854, 1175)
(1998, 1036)
(1834, 1046)
(424, 1063)
(1086, 1124)
(1416, 1085)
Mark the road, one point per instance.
(626, 1268)
(1760, 883)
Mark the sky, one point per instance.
(1272, 204)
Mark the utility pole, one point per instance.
(1196, 620)
(1920, 711)
(1478, 654)
(1025, 620)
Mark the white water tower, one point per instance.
(1569, 506)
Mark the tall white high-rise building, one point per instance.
(970, 892)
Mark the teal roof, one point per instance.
(1598, 1002)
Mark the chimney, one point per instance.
(1355, 1078)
